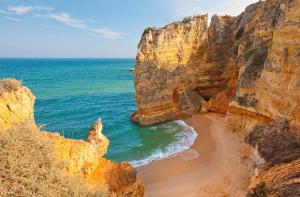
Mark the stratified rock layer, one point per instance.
(179, 64)
(268, 53)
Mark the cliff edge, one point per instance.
(66, 167)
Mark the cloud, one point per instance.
(66, 19)
(13, 19)
(107, 33)
(24, 9)
(181, 8)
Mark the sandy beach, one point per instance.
(212, 167)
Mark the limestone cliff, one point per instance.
(256, 52)
(81, 159)
(179, 64)
(275, 157)
(16, 103)
(268, 54)
(246, 67)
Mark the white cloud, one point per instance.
(106, 33)
(20, 10)
(66, 19)
(24, 9)
(182, 8)
(13, 19)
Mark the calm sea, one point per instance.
(72, 93)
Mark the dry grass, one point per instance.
(28, 167)
(9, 84)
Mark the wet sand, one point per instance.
(212, 167)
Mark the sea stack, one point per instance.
(95, 135)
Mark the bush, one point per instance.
(240, 33)
(28, 167)
(248, 54)
(9, 84)
(187, 19)
(148, 29)
(260, 190)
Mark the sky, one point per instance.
(92, 28)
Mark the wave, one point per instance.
(184, 140)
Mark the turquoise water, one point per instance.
(72, 93)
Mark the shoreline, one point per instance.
(212, 166)
(188, 136)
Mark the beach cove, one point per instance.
(212, 167)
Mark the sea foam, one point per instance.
(184, 140)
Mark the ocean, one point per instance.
(71, 94)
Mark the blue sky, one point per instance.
(92, 28)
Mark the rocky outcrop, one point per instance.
(178, 64)
(16, 103)
(85, 159)
(278, 170)
(268, 53)
(95, 135)
(81, 159)
(261, 44)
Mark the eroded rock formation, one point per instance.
(261, 45)
(179, 64)
(246, 67)
(268, 54)
(16, 103)
(278, 170)
(82, 159)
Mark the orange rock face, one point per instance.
(82, 158)
(86, 159)
(178, 64)
(16, 106)
(268, 85)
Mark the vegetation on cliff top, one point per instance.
(148, 29)
(28, 167)
(9, 84)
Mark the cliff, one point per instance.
(16, 103)
(257, 52)
(180, 65)
(73, 160)
(268, 56)
(246, 67)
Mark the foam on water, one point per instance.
(184, 140)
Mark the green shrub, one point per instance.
(248, 54)
(187, 19)
(148, 29)
(240, 33)
(260, 190)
